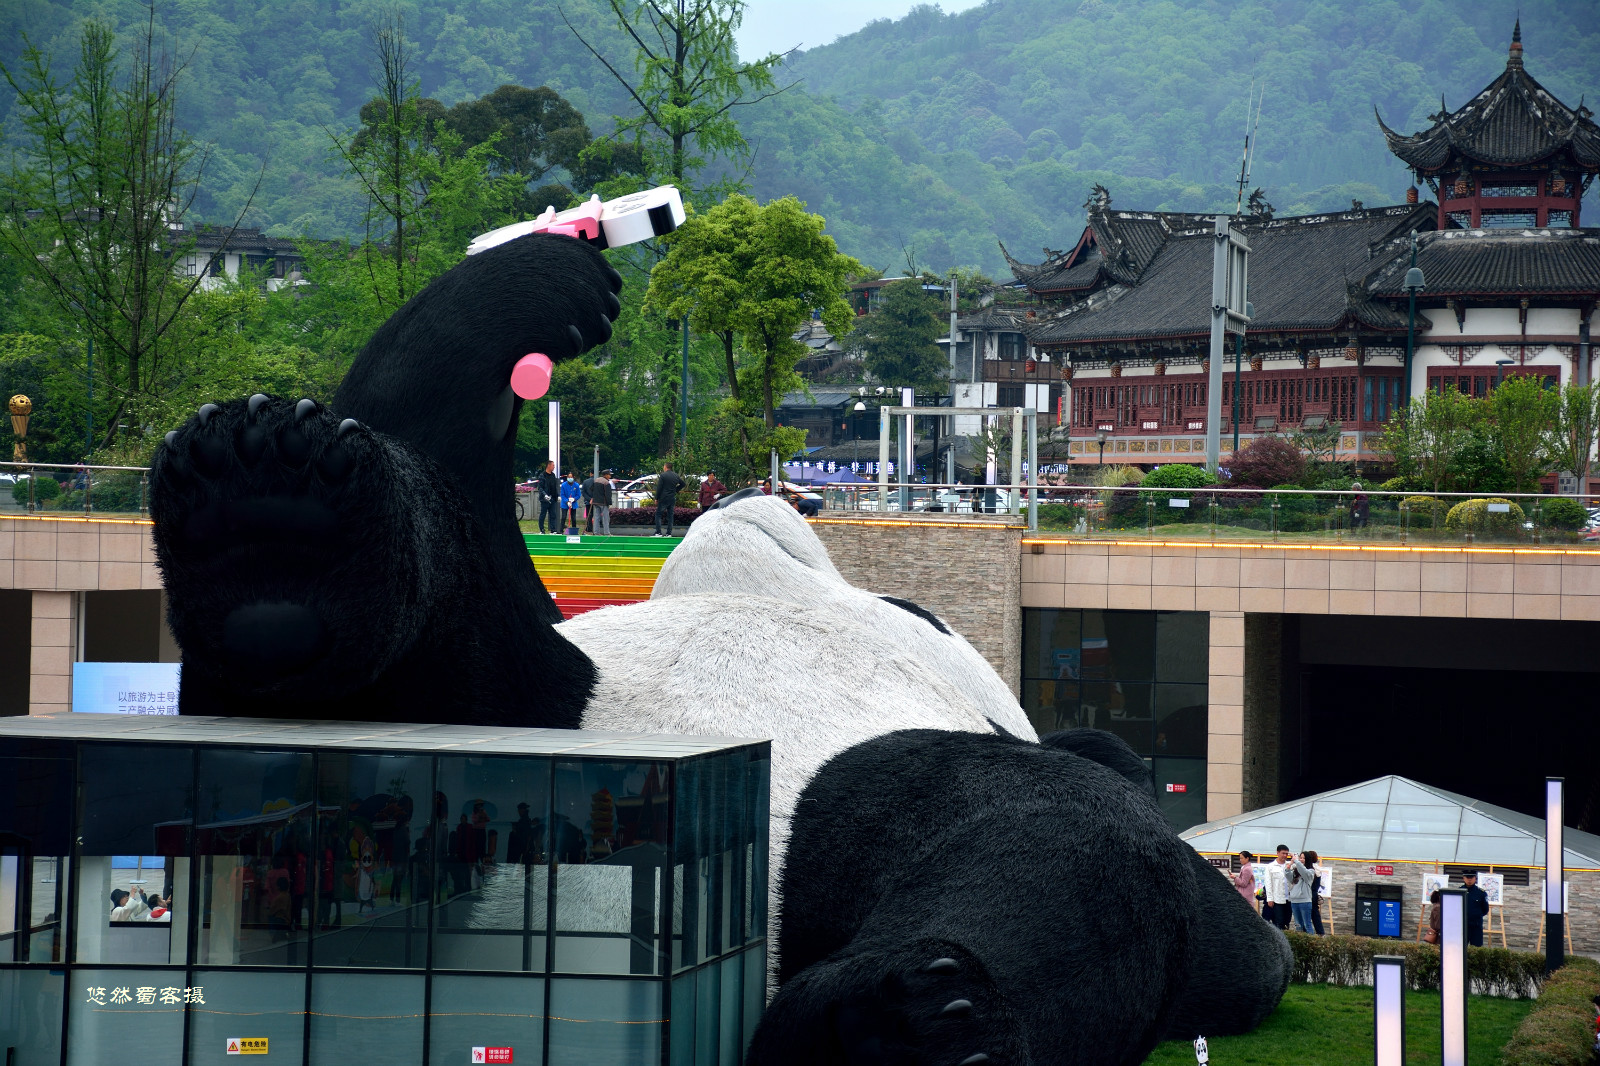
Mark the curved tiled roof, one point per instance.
(1515, 121)
(1306, 273)
(1483, 262)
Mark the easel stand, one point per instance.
(1493, 927)
(1566, 926)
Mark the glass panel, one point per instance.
(1123, 709)
(372, 856)
(35, 809)
(1051, 705)
(469, 1012)
(732, 981)
(30, 1015)
(1181, 790)
(1342, 844)
(1371, 792)
(708, 1000)
(352, 1014)
(1363, 817)
(683, 1015)
(1181, 716)
(1490, 850)
(1051, 643)
(1402, 791)
(117, 1015)
(243, 1006)
(1183, 646)
(1119, 645)
(1408, 818)
(253, 842)
(605, 1023)
(755, 990)
(1264, 840)
(1508, 219)
(757, 785)
(133, 881)
(1416, 846)
(612, 818)
(689, 891)
(491, 829)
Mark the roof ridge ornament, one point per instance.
(1514, 59)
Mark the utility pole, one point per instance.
(683, 388)
(1229, 286)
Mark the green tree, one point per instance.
(898, 337)
(95, 199)
(1427, 440)
(1571, 436)
(1521, 411)
(764, 269)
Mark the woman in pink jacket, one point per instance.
(1245, 879)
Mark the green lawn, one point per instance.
(1324, 1025)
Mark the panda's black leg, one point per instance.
(923, 1003)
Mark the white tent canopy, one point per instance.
(1395, 819)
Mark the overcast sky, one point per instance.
(779, 25)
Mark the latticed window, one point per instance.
(1510, 219)
(1510, 190)
(1560, 220)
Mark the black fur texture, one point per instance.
(1239, 964)
(364, 562)
(1061, 896)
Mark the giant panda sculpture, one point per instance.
(362, 561)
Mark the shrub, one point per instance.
(1400, 484)
(44, 488)
(646, 516)
(1266, 462)
(1558, 512)
(1347, 960)
(1425, 510)
(1474, 516)
(1117, 476)
(1173, 476)
(1560, 1030)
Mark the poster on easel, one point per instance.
(1325, 886)
(1494, 886)
(1432, 883)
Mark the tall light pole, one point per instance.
(1229, 284)
(1500, 370)
(1238, 360)
(1414, 284)
(1554, 875)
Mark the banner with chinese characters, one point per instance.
(125, 688)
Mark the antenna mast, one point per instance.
(1247, 159)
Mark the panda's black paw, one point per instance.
(929, 1003)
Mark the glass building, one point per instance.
(181, 890)
(1143, 675)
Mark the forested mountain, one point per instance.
(931, 135)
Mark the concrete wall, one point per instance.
(963, 568)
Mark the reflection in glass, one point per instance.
(270, 1006)
(605, 1023)
(490, 830)
(1050, 644)
(1183, 646)
(133, 881)
(35, 812)
(1181, 716)
(611, 827)
(30, 1016)
(468, 1012)
(116, 1015)
(755, 991)
(256, 814)
(373, 865)
(353, 1015)
(1119, 645)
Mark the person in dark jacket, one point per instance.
(668, 485)
(549, 491)
(1477, 907)
(600, 497)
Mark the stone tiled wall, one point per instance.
(965, 571)
(54, 635)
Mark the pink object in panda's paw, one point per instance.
(530, 378)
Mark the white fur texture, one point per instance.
(751, 632)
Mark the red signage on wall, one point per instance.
(1177, 788)
(1383, 871)
(491, 1054)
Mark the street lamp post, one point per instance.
(1414, 283)
(1500, 370)
(1101, 437)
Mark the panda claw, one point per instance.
(944, 967)
(255, 403)
(956, 1007)
(205, 413)
(304, 409)
(171, 436)
(974, 1060)
(613, 278)
(575, 335)
(347, 426)
(604, 329)
(613, 306)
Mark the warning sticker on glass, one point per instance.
(491, 1054)
(247, 1045)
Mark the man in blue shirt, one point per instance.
(570, 494)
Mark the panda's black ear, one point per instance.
(918, 610)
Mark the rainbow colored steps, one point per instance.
(597, 571)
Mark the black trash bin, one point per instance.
(1378, 908)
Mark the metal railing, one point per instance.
(1224, 515)
(121, 491)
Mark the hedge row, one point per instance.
(1560, 1030)
(1347, 960)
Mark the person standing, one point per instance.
(600, 503)
(710, 491)
(549, 488)
(1435, 919)
(1477, 907)
(668, 485)
(1314, 861)
(1245, 879)
(1300, 880)
(570, 494)
(1278, 889)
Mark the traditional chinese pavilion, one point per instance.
(1123, 317)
